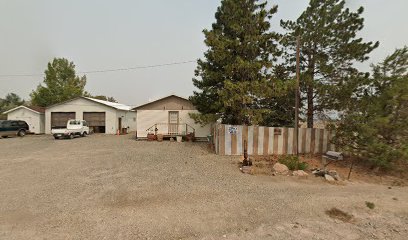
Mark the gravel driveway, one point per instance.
(110, 187)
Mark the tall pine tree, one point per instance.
(329, 47)
(235, 78)
(375, 126)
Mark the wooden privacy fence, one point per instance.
(229, 140)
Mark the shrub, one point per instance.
(370, 205)
(292, 162)
(339, 214)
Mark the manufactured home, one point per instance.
(169, 116)
(101, 116)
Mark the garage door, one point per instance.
(60, 119)
(96, 121)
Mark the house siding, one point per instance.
(158, 112)
(148, 118)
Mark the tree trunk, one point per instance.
(310, 92)
(310, 107)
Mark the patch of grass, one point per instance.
(292, 162)
(370, 205)
(339, 214)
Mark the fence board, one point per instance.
(221, 134)
(244, 138)
(227, 140)
(234, 144)
(269, 140)
(250, 140)
(265, 141)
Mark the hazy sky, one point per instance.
(107, 34)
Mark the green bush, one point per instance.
(370, 205)
(292, 162)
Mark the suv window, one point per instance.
(14, 124)
(6, 124)
(22, 124)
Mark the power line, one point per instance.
(107, 70)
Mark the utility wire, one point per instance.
(107, 70)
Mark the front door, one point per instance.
(173, 122)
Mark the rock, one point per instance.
(300, 173)
(319, 173)
(280, 168)
(246, 169)
(329, 178)
(335, 175)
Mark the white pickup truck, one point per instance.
(74, 128)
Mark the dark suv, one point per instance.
(13, 127)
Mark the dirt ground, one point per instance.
(110, 187)
(361, 173)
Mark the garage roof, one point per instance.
(35, 109)
(117, 106)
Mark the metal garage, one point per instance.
(60, 119)
(96, 121)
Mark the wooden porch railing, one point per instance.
(171, 129)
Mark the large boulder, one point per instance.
(280, 168)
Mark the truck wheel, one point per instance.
(56, 138)
(21, 133)
(84, 134)
(71, 136)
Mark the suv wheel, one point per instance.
(21, 133)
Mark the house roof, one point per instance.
(160, 99)
(117, 106)
(39, 110)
